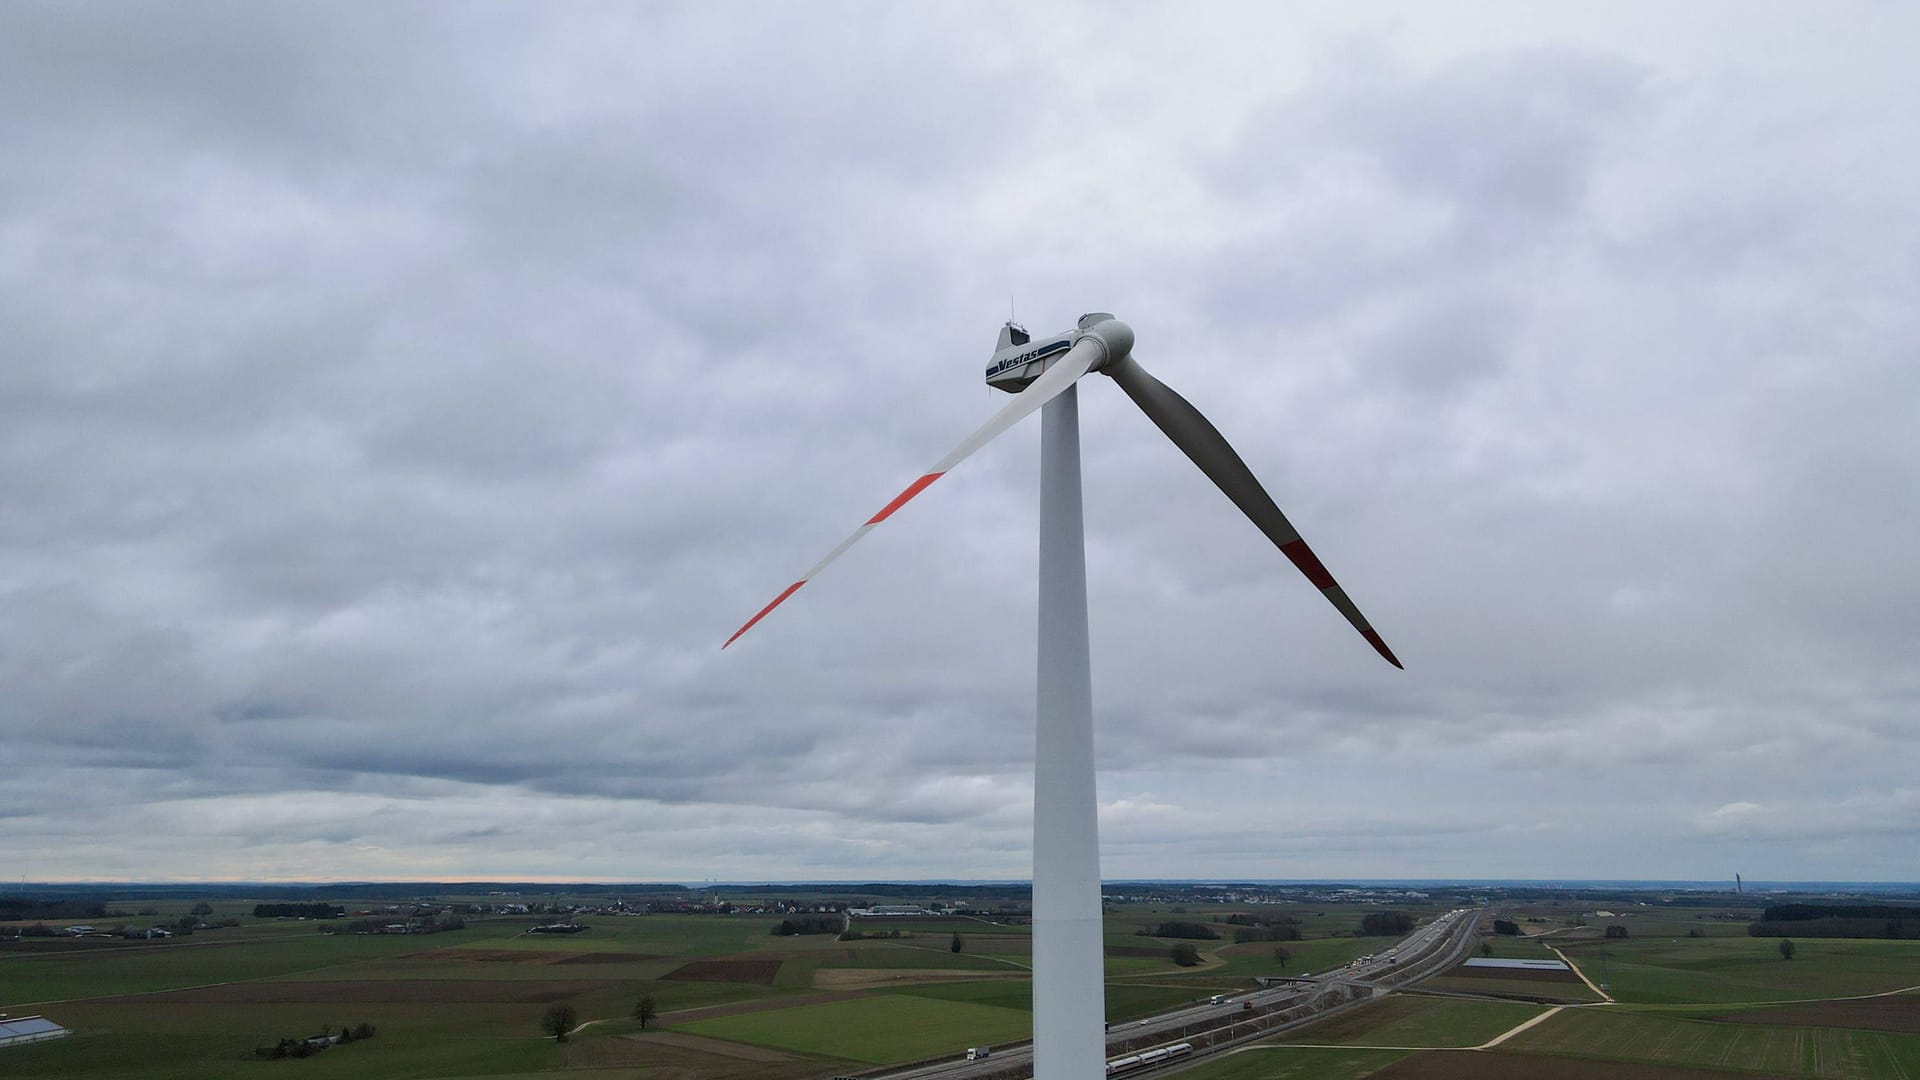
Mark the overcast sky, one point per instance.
(400, 404)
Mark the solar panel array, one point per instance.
(21, 1029)
(1518, 965)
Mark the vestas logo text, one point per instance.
(1028, 357)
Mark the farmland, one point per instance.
(1679, 971)
(1419, 1021)
(735, 998)
(1622, 1035)
(1697, 999)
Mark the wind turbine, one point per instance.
(1068, 966)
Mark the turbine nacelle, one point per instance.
(1036, 372)
(1018, 358)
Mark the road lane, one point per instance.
(1430, 949)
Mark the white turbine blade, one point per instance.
(1077, 361)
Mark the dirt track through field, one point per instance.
(1583, 975)
(760, 972)
(704, 1045)
(875, 978)
(709, 1012)
(1445, 1065)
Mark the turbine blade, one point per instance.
(1084, 354)
(1201, 441)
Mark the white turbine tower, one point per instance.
(1068, 966)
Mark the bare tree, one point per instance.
(559, 1021)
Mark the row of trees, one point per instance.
(808, 924)
(305, 1048)
(1895, 921)
(1190, 930)
(1388, 924)
(1266, 933)
(21, 908)
(293, 911)
(432, 924)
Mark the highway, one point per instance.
(1241, 1017)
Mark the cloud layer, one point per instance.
(399, 407)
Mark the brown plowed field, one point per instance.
(872, 978)
(708, 1012)
(1518, 990)
(1514, 974)
(603, 1054)
(734, 971)
(1900, 1013)
(608, 958)
(1471, 1065)
(704, 1045)
(485, 956)
(348, 991)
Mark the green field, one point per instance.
(883, 1029)
(1294, 1063)
(1693, 970)
(1408, 1021)
(1318, 955)
(1574, 992)
(468, 1004)
(205, 1056)
(1521, 948)
(203, 959)
(1631, 1035)
(674, 935)
(1125, 1001)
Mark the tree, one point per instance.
(957, 943)
(202, 909)
(1185, 955)
(1391, 923)
(559, 1021)
(1281, 955)
(1486, 948)
(644, 1011)
(1786, 948)
(1616, 931)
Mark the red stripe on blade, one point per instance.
(791, 589)
(1379, 646)
(1309, 563)
(900, 500)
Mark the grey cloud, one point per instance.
(397, 410)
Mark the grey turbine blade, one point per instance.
(1202, 442)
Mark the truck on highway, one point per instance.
(978, 1053)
